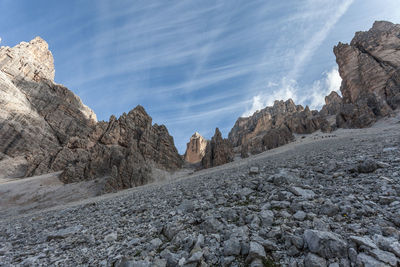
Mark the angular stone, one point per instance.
(313, 260)
(367, 166)
(111, 237)
(305, 193)
(254, 170)
(385, 256)
(256, 251)
(232, 246)
(368, 261)
(267, 217)
(300, 215)
(364, 241)
(326, 244)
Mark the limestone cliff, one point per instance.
(274, 126)
(38, 116)
(45, 128)
(218, 151)
(370, 71)
(195, 148)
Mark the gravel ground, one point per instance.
(325, 200)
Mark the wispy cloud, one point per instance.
(194, 65)
(288, 87)
(321, 88)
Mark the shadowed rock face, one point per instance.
(333, 103)
(123, 150)
(38, 116)
(370, 71)
(195, 149)
(219, 151)
(48, 129)
(274, 126)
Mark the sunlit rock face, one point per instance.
(44, 127)
(38, 115)
(274, 126)
(370, 71)
(195, 148)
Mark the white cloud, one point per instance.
(288, 87)
(333, 80)
(321, 88)
(286, 90)
(316, 40)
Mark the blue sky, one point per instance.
(193, 65)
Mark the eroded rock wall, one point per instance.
(46, 128)
(370, 71)
(195, 148)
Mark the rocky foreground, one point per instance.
(334, 201)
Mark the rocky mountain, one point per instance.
(218, 151)
(44, 127)
(333, 103)
(370, 71)
(123, 150)
(274, 126)
(330, 202)
(195, 148)
(38, 116)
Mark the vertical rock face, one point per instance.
(195, 149)
(218, 151)
(37, 115)
(333, 103)
(47, 128)
(274, 126)
(30, 61)
(124, 150)
(370, 71)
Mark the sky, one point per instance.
(193, 65)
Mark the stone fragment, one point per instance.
(111, 237)
(256, 251)
(368, 261)
(385, 256)
(300, 215)
(364, 241)
(325, 244)
(254, 170)
(267, 217)
(367, 166)
(232, 247)
(313, 260)
(305, 193)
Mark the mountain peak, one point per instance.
(31, 61)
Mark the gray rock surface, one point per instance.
(195, 149)
(224, 215)
(44, 127)
(218, 151)
(274, 126)
(370, 68)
